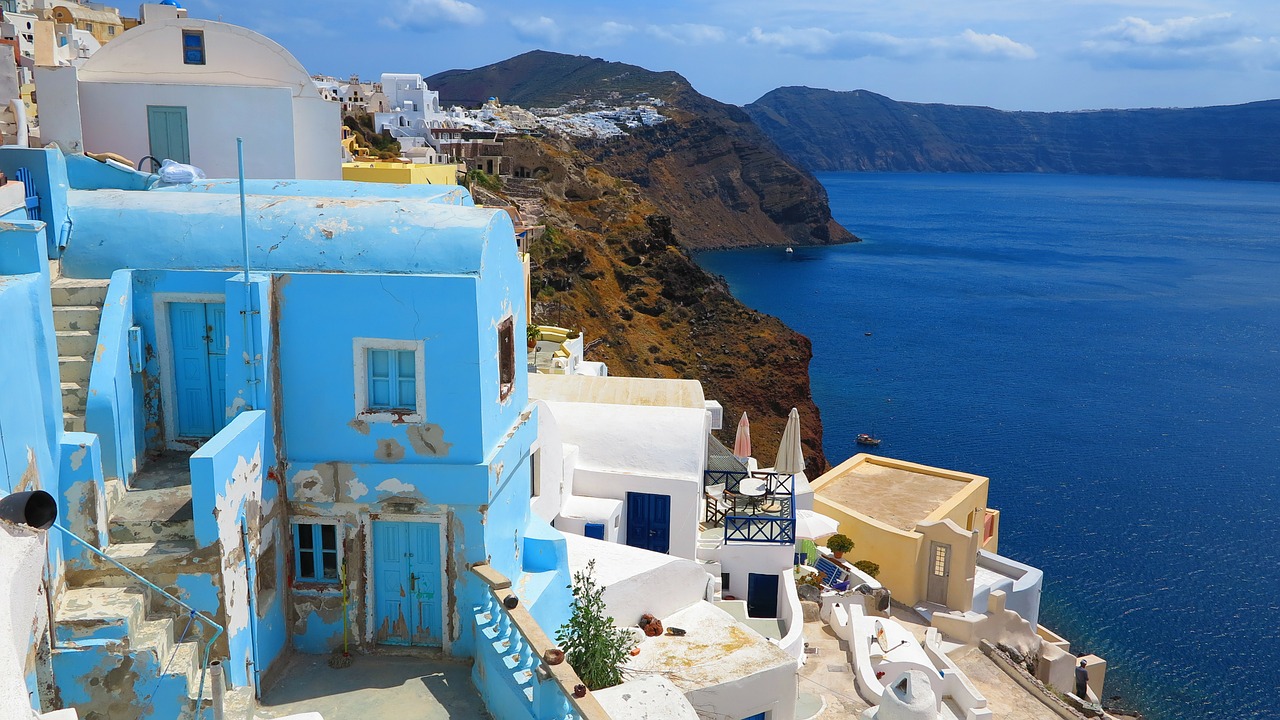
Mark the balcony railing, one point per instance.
(753, 507)
(510, 646)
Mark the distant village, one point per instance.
(268, 448)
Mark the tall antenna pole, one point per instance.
(244, 218)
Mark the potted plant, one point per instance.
(534, 334)
(839, 544)
(868, 567)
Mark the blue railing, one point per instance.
(768, 517)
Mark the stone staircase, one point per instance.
(77, 309)
(108, 616)
(139, 662)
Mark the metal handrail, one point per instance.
(218, 629)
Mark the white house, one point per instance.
(185, 89)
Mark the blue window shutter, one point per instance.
(304, 551)
(594, 530)
(379, 378)
(407, 383)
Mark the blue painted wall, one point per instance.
(114, 410)
(49, 175)
(440, 194)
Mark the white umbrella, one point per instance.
(742, 441)
(814, 525)
(790, 455)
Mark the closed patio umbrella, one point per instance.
(815, 525)
(742, 441)
(790, 455)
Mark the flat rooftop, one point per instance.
(895, 492)
(716, 649)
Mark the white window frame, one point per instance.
(361, 346)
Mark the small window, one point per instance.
(315, 552)
(111, 29)
(193, 47)
(507, 356)
(265, 572)
(389, 380)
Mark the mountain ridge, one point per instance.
(709, 167)
(858, 130)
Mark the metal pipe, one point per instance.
(217, 689)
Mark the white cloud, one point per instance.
(428, 15)
(1218, 39)
(536, 30)
(611, 33)
(688, 33)
(823, 43)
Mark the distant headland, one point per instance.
(824, 130)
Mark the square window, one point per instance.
(315, 551)
(389, 380)
(193, 47)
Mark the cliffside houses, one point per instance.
(319, 435)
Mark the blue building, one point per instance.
(335, 407)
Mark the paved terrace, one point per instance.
(901, 494)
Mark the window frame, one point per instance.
(204, 51)
(315, 573)
(506, 357)
(360, 349)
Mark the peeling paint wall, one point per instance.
(230, 514)
(83, 503)
(114, 410)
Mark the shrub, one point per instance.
(839, 543)
(868, 567)
(596, 650)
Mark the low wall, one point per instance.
(954, 682)
(1021, 585)
(83, 501)
(114, 408)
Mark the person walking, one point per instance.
(1082, 682)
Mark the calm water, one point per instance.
(1107, 350)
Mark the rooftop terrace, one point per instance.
(894, 492)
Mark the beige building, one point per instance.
(103, 22)
(922, 525)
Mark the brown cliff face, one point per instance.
(710, 168)
(613, 264)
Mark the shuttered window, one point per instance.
(392, 379)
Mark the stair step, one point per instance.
(156, 636)
(78, 343)
(140, 556)
(74, 369)
(72, 291)
(72, 422)
(87, 615)
(77, 317)
(74, 397)
(162, 514)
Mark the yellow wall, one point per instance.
(403, 173)
(895, 551)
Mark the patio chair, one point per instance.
(716, 504)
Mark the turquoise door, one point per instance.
(649, 521)
(167, 131)
(407, 589)
(199, 341)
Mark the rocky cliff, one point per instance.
(863, 131)
(613, 263)
(709, 168)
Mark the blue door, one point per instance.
(407, 589)
(757, 716)
(167, 133)
(762, 595)
(199, 341)
(594, 530)
(649, 521)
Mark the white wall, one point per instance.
(549, 449)
(638, 581)
(684, 502)
(115, 117)
(772, 690)
(59, 97)
(317, 139)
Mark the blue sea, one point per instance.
(1107, 351)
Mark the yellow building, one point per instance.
(105, 25)
(922, 525)
(403, 173)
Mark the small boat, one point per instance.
(789, 251)
(865, 439)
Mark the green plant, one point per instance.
(480, 178)
(868, 567)
(533, 333)
(839, 543)
(596, 650)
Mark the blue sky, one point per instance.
(1010, 54)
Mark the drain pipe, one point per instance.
(218, 688)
